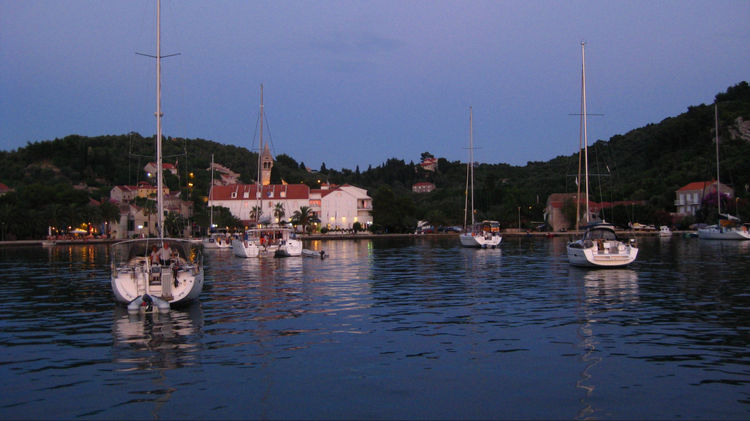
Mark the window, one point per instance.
(234, 195)
(245, 195)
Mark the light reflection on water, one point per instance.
(411, 328)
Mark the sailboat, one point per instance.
(150, 274)
(599, 246)
(270, 239)
(485, 234)
(215, 240)
(728, 227)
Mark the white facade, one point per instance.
(344, 206)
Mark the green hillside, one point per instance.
(55, 180)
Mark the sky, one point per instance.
(355, 83)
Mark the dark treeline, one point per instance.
(55, 181)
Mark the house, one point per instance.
(123, 194)
(242, 199)
(151, 168)
(690, 196)
(344, 205)
(423, 187)
(138, 221)
(335, 206)
(429, 164)
(225, 176)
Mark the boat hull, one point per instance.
(177, 281)
(480, 240)
(290, 248)
(715, 233)
(245, 248)
(608, 254)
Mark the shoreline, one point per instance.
(360, 236)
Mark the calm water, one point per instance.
(386, 329)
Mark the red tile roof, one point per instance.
(293, 191)
(697, 185)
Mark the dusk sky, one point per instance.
(353, 83)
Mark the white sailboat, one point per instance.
(599, 246)
(215, 240)
(478, 235)
(270, 239)
(150, 274)
(729, 227)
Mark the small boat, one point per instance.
(664, 231)
(149, 274)
(312, 253)
(599, 246)
(729, 227)
(48, 243)
(487, 233)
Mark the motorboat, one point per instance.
(664, 231)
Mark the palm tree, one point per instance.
(302, 217)
(256, 212)
(278, 211)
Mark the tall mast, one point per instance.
(471, 160)
(584, 124)
(468, 166)
(259, 192)
(159, 169)
(718, 185)
(211, 196)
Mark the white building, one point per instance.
(342, 206)
(690, 196)
(335, 206)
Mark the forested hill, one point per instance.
(648, 163)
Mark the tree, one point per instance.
(110, 214)
(278, 211)
(256, 212)
(174, 224)
(302, 217)
(392, 212)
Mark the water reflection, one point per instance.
(156, 343)
(414, 328)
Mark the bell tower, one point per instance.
(266, 160)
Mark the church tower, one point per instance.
(266, 160)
